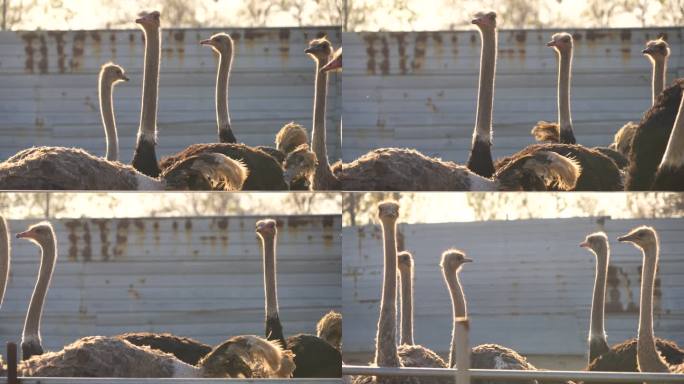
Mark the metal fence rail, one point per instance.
(606, 377)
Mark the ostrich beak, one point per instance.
(475, 21)
(551, 44)
(584, 244)
(140, 20)
(467, 260)
(25, 234)
(310, 50)
(124, 78)
(646, 51)
(205, 42)
(625, 238)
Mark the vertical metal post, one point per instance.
(462, 327)
(4, 14)
(12, 363)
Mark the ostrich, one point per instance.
(323, 180)
(597, 243)
(222, 44)
(43, 235)
(405, 263)
(145, 157)
(622, 357)
(649, 358)
(335, 63)
(4, 259)
(329, 328)
(185, 349)
(485, 356)
(386, 351)
(314, 357)
(670, 173)
(657, 51)
(101, 356)
(300, 165)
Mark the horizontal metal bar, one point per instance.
(122, 380)
(606, 377)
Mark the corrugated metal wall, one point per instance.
(529, 288)
(197, 277)
(419, 89)
(48, 87)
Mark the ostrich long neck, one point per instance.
(459, 308)
(318, 140)
(47, 265)
(386, 348)
(564, 70)
(485, 96)
(4, 257)
(406, 277)
(659, 70)
(222, 115)
(274, 329)
(648, 359)
(148, 114)
(597, 329)
(674, 153)
(108, 121)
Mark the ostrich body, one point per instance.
(323, 179)
(670, 173)
(392, 169)
(100, 356)
(651, 138)
(648, 357)
(329, 328)
(597, 243)
(43, 235)
(145, 157)
(599, 172)
(386, 352)
(313, 357)
(485, 356)
(185, 349)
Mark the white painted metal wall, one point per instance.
(48, 87)
(419, 89)
(529, 287)
(196, 277)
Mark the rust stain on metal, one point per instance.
(454, 44)
(78, 47)
(320, 34)
(577, 37)
(224, 241)
(131, 38)
(103, 226)
(188, 225)
(222, 223)
(87, 252)
(61, 56)
(438, 44)
(625, 35)
(419, 51)
(294, 222)
(43, 62)
(73, 239)
(401, 49)
(121, 245)
(385, 63)
(174, 225)
(370, 39)
(284, 39)
(473, 38)
(97, 43)
(155, 232)
(521, 37)
(328, 221)
(28, 50)
(112, 44)
(133, 293)
(431, 105)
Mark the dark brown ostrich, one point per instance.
(651, 138)
(222, 44)
(670, 174)
(145, 157)
(313, 357)
(185, 349)
(324, 179)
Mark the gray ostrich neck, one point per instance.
(648, 359)
(4, 257)
(47, 265)
(108, 120)
(406, 278)
(564, 70)
(459, 309)
(386, 348)
(485, 96)
(674, 152)
(222, 77)
(318, 140)
(597, 327)
(270, 276)
(659, 70)
(150, 89)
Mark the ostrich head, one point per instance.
(656, 49)
(329, 328)
(596, 242)
(405, 260)
(40, 233)
(266, 228)
(453, 259)
(148, 20)
(221, 43)
(642, 237)
(561, 42)
(299, 164)
(388, 211)
(113, 73)
(319, 50)
(290, 136)
(335, 64)
(485, 20)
